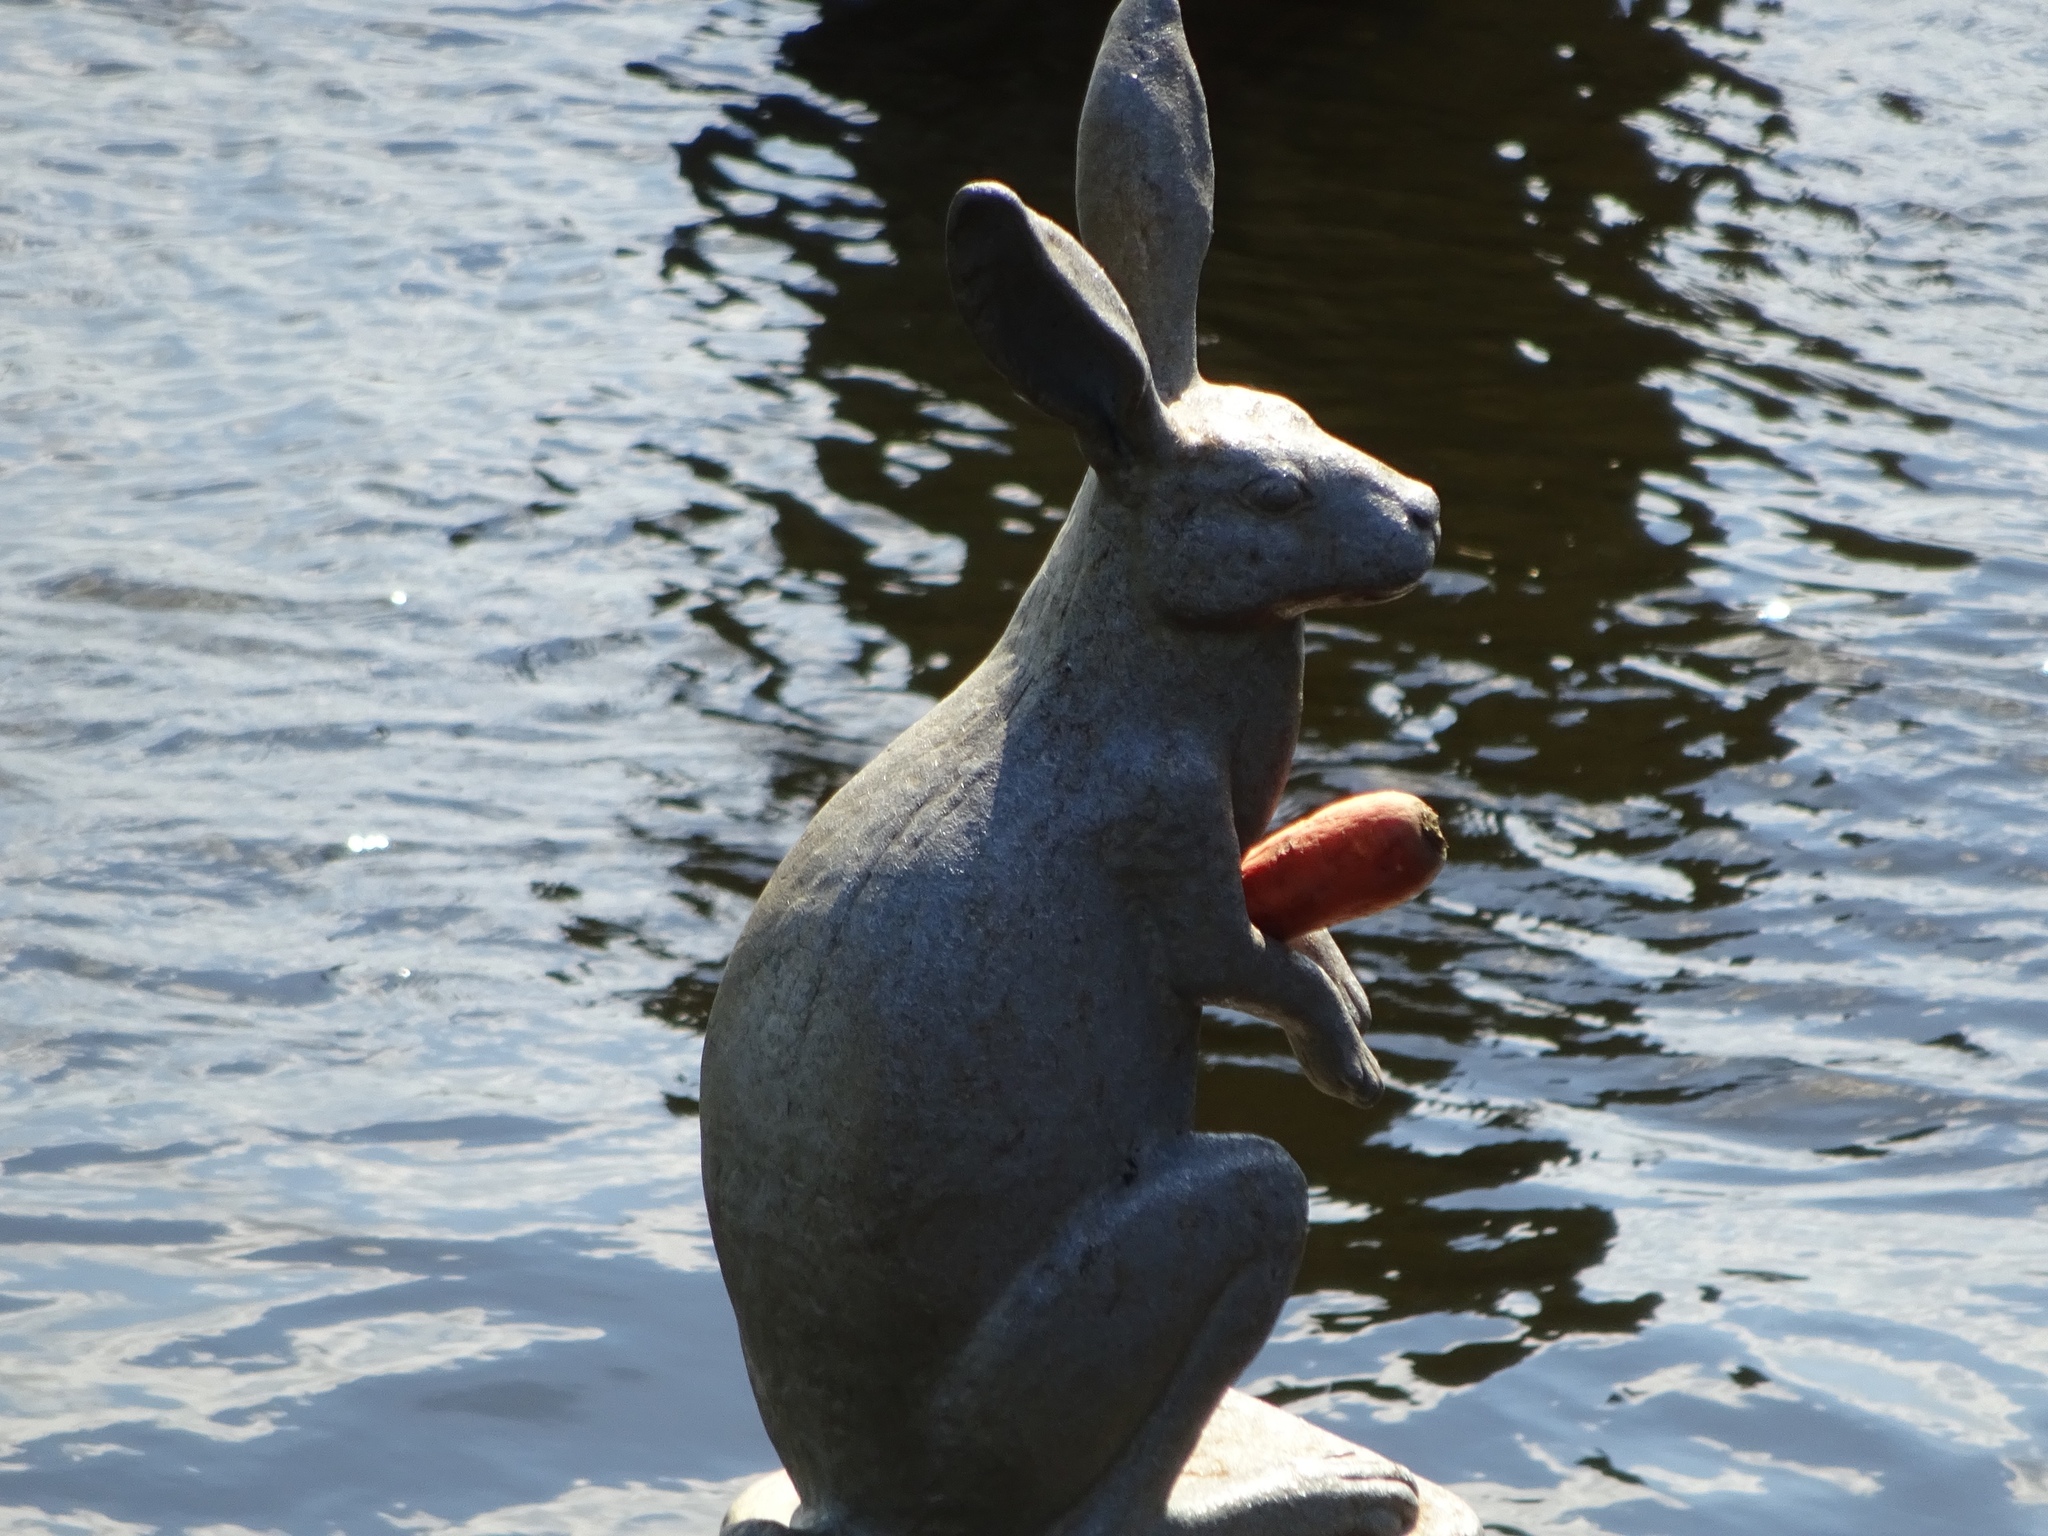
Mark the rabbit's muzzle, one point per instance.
(1423, 509)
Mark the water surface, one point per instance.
(476, 477)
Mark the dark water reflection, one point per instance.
(357, 943)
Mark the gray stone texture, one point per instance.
(988, 1278)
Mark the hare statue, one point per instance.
(989, 1280)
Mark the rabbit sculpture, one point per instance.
(988, 1279)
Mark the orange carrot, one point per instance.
(1352, 858)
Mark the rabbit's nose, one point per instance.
(1422, 507)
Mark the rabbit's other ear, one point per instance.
(1051, 321)
(1145, 180)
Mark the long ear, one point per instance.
(1145, 180)
(1051, 321)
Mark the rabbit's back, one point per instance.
(942, 1028)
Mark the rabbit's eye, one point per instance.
(1276, 492)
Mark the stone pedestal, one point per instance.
(1257, 1471)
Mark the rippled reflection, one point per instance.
(457, 538)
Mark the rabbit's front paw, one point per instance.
(1331, 1046)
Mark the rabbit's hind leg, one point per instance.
(1079, 1395)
